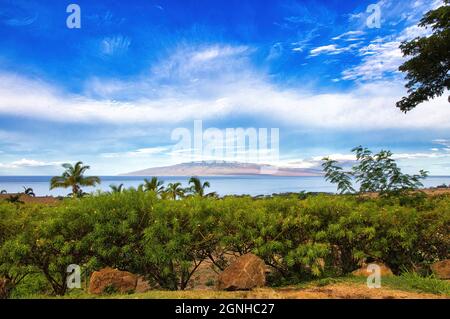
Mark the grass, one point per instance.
(413, 282)
(410, 282)
(157, 294)
(407, 281)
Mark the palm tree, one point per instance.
(198, 188)
(174, 190)
(154, 185)
(28, 191)
(74, 177)
(80, 194)
(116, 189)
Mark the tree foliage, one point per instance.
(154, 185)
(373, 172)
(428, 69)
(175, 190)
(74, 178)
(167, 240)
(28, 191)
(198, 188)
(335, 175)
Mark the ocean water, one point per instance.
(223, 185)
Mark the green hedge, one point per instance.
(166, 240)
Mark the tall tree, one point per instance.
(373, 172)
(154, 185)
(28, 191)
(74, 177)
(336, 175)
(198, 188)
(428, 70)
(116, 188)
(174, 190)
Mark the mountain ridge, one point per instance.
(223, 168)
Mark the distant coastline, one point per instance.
(252, 185)
(223, 168)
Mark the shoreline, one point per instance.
(49, 199)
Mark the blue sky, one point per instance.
(112, 92)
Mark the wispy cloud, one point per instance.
(20, 22)
(332, 49)
(217, 52)
(116, 45)
(141, 152)
(382, 57)
(24, 163)
(350, 36)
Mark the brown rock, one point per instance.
(441, 269)
(142, 285)
(245, 273)
(385, 270)
(112, 280)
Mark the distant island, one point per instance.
(223, 168)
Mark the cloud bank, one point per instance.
(215, 83)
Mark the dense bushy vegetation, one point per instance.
(166, 240)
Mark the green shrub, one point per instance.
(167, 240)
(180, 237)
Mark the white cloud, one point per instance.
(332, 49)
(216, 52)
(179, 90)
(141, 152)
(28, 163)
(349, 35)
(379, 59)
(444, 143)
(116, 45)
(347, 159)
(383, 56)
(336, 157)
(324, 49)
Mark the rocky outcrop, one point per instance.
(441, 269)
(109, 280)
(245, 273)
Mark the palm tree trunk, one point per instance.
(75, 190)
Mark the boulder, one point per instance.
(362, 272)
(142, 285)
(109, 280)
(441, 269)
(245, 273)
